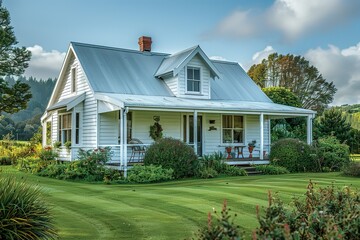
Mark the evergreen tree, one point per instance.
(333, 122)
(13, 61)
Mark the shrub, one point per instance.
(271, 169)
(325, 213)
(47, 154)
(32, 164)
(147, 174)
(54, 169)
(23, 212)
(234, 171)
(332, 154)
(174, 154)
(294, 155)
(352, 169)
(207, 172)
(222, 228)
(215, 161)
(5, 160)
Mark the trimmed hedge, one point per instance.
(173, 154)
(294, 155)
(271, 169)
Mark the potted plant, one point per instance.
(68, 145)
(251, 146)
(57, 144)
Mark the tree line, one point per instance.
(23, 124)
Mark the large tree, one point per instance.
(13, 61)
(333, 123)
(294, 73)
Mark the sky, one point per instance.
(325, 32)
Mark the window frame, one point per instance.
(193, 80)
(233, 128)
(64, 131)
(73, 80)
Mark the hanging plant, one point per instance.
(156, 131)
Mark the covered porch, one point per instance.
(208, 126)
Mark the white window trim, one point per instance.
(58, 127)
(73, 80)
(243, 129)
(186, 81)
(73, 129)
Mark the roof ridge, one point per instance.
(182, 51)
(224, 61)
(117, 49)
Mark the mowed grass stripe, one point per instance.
(170, 210)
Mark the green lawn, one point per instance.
(355, 157)
(170, 210)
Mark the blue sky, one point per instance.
(326, 32)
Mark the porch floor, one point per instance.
(246, 161)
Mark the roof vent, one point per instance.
(145, 44)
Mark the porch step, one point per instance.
(250, 170)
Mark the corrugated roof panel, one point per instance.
(123, 71)
(203, 104)
(173, 61)
(235, 84)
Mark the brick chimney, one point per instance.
(145, 43)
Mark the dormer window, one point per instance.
(193, 80)
(73, 80)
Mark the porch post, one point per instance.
(309, 129)
(195, 131)
(44, 132)
(261, 136)
(125, 141)
(121, 138)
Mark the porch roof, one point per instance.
(177, 103)
(69, 103)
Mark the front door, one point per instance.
(188, 132)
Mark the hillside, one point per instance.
(24, 124)
(352, 113)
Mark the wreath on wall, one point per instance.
(156, 129)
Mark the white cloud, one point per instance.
(218, 58)
(44, 65)
(258, 57)
(341, 66)
(292, 18)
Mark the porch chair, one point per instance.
(137, 149)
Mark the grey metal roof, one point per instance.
(235, 84)
(173, 61)
(117, 70)
(68, 102)
(201, 104)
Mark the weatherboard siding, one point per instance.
(109, 128)
(142, 120)
(205, 79)
(173, 84)
(212, 138)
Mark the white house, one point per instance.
(106, 96)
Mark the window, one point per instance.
(77, 128)
(193, 79)
(48, 133)
(129, 127)
(232, 129)
(64, 128)
(73, 80)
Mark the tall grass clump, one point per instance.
(23, 212)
